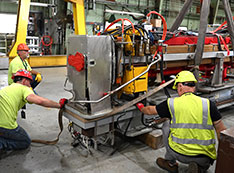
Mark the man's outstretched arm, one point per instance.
(33, 98)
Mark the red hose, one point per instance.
(225, 45)
(112, 23)
(156, 52)
(164, 31)
(45, 44)
(133, 28)
(117, 20)
(164, 23)
(221, 38)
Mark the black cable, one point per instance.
(109, 32)
(80, 142)
(117, 31)
(142, 120)
(129, 122)
(117, 121)
(219, 44)
(125, 29)
(143, 29)
(158, 35)
(140, 32)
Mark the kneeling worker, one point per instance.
(189, 136)
(12, 98)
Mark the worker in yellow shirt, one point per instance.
(12, 98)
(20, 62)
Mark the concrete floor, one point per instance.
(41, 123)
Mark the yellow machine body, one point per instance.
(140, 84)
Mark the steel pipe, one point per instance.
(117, 89)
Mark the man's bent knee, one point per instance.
(25, 144)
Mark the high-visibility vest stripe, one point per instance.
(204, 111)
(171, 104)
(193, 141)
(192, 126)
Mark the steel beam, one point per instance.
(216, 4)
(229, 18)
(201, 35)
(160, 6)
(181, 15)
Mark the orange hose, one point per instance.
(117, 20)
(156, 52)
(133, 28)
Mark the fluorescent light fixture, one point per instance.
(124, 12)
(38, 4)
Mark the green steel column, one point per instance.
(160, 6)
(215, 5)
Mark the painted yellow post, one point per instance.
(79, 16)
(21, 27)
(22, 22)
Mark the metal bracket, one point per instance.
(218, 72)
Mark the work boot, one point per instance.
(166, 165)
(193, 168)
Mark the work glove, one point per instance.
(140, 106)
(38, 77)
(62, 102)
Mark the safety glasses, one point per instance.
(189, 84)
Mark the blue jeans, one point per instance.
(14, 139)
(203, 161)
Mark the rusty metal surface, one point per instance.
(225, 157)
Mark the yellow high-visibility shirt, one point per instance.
(12, 99)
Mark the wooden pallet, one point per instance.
(153, 139)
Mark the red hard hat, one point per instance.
(22, 46)
(23, 73)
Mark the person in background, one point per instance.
(12, 98)
(188, 133)
(20, 62)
